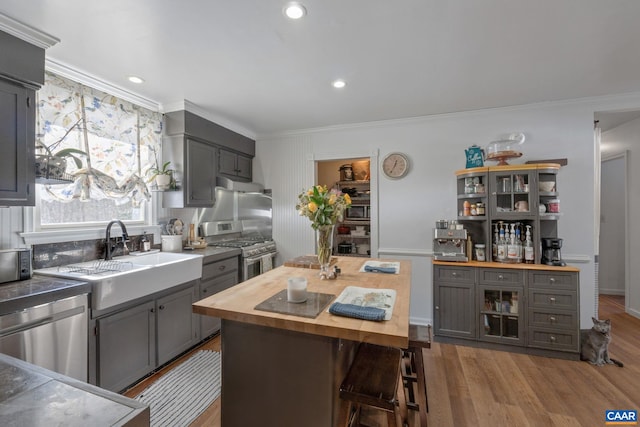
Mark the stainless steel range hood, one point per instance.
(247, 187)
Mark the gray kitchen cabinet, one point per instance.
(21, 74)
(17, 142)
(500, 298)
(210, 325)
(177, 325)
(216, 277)
(137, 337)
(553, 311)
(234, 165)
(126, 346)
(195, 168)
(508, 194)
(524, 306)
(454, 302)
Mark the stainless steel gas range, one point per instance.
(258, 251)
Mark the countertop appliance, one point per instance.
(551, 251)
(15, 264)
(258, 251)
(449, 245)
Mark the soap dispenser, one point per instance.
(145, 244)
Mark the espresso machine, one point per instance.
(450, 245)
(551, 251)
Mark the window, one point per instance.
(93, 152)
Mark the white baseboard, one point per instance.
(605, 291)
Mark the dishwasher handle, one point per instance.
(24, 326)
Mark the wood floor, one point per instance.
(475, 387)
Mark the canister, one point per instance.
(480, 255)
(554, 206)
(480, 208)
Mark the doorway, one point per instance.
(356, 177)
(613, 233)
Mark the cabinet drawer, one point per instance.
(220, 284)
(553, 340)
(217, 268)
(546, 299)
(553, 319)
(495, 276)
(550, 279)
(454, 274)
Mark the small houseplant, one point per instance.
(162, 175)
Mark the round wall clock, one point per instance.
(395, 165)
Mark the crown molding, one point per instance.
(27, 33)
(195, 109)
(99, 84)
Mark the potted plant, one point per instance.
(162, 175)
(51, 166)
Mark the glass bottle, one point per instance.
(528, 247)
(496, 239)
(502, 247)
(512, 247)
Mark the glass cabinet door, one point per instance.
(511, 194)
(500, 315)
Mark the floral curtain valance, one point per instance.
(117, 139)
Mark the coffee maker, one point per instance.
(450, 245)
(551, 251)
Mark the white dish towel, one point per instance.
(266, 263)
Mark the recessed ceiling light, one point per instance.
(339, 84)
(295, 10)
(135, 79)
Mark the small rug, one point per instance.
(180, 396)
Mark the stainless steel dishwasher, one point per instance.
(52, 335)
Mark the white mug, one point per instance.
(522, 206)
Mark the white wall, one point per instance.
(619, 139)
(408, 208)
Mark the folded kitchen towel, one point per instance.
(357, 311)
(266, 263)
(374, 269)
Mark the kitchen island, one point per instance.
(285, 370)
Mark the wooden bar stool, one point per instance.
(413, 377)
(372, 380)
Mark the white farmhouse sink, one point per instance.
(131, 277)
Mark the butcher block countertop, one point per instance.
(518, 266)
(237, 303)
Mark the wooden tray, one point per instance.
(307, 261)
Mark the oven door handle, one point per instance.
(255, 259)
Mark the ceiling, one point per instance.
(245, 64)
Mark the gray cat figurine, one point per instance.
(594, 346)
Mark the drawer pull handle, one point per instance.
(437, 307)
(552, 338)
(552, 319)
(222, 267)
(500, 277)
(552, 280)
(552, 300)
(161, 307)
(454, 274)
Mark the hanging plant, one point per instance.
(51, 165)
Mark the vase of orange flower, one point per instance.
(324, 208)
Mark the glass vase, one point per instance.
(324, 237)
